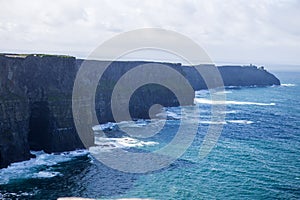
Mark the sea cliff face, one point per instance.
(36, 99)
(233, 76)
(36, 110)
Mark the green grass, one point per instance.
(38, 55)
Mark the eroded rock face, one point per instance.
(144, 97)
(14, 113)
(36, 99)
(35, 111)
(14, 145)
(48, 84)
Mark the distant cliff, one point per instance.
(234, 76)
(36, 99)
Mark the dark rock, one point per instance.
(233, 76)
(14, 113)
(247, 76)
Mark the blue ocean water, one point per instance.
(256, 157)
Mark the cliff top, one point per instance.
(24, 55)
(13, 55)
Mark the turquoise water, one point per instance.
(256, 157)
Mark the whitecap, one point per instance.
(213, 122)
(207, 101)
(240, 121)
(132, 124)
(202, 93)
(46, 174)
(224, 92)
(173, 115)
(168, 113)
(124, 142)
(230, 112)
(288, 84)
(232, 87)
(102, 127)
(130, 142)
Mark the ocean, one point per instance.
(257, 155)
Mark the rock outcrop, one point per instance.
(36, 99)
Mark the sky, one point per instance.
(262, 32)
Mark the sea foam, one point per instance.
(32, 168)
(124, 142)
(288, 85)
(207, 101)
(240, 121)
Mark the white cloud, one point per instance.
(235, 30)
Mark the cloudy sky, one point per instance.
(241, 31)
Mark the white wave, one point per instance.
(102, 127)
(130, 142)
(230, 112)
(132, 124)
(232, 87)
(166, 114)
(212, 122)
(129, 125)
(224, 92)
(46, 174)
(288, 84)
(17, 195)
(240, 121)
(31, 168)
(124, 142)
(207, 101)
(173, 115)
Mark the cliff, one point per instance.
(35, 110)
(234, 76)
(36, 99)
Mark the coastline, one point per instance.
(36, 99)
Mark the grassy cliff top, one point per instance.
(12, 55)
